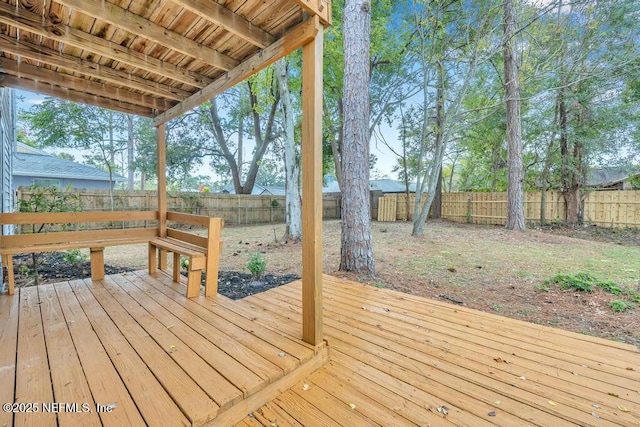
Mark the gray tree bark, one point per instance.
(293, 202)
(515, 183)
(356, 247)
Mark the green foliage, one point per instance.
(610, 287)
(583, 282)
(620, 306)
(49, 199)
(257, 264)
(184, 262)
(74, 257)
(541, 287)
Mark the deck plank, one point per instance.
(255, 353)
(9, 315)
(168, 330)
(271, 414)
(190, 398)
(296, 348)
(230, 365)
(69, 382)
(578, 400)
(103, 379)
(156, 406)
(33, 382)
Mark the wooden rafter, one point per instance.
(33, 23)
(299, 36)
(59, 92)
(88, 68)
(320, 8)
(232, 22)
(136, 24)
(22, 69)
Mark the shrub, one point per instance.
(582, 282)
(74, 257)
(610, 287)
(620, 306)
(257, 264)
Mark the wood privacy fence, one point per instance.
(234, 209)
(603, 208)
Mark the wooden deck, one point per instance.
(135, 344)
(397, 359)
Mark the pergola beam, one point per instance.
(59, 92)
(138, 25)
(88, 68)
(36, 24)
(320, 8)
(230, 21)
(22, 69)
(299, 36)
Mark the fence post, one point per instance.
(469, 209)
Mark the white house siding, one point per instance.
(7, 138)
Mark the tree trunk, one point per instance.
(515, 183)
(436, 206)
(130, 152)
(293, 202)
(356, 247)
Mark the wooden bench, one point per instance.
(95, 240)
(203, 252)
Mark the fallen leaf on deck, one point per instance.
(497, 402)
(613, 394)
(352, 406)
(552, 403)
(523, 378)
(595, 405)
(630, 369)
(172, 348)
(492, 413)
(623, 408)
(595, 415)
(282, 354)
(305, 386)
(443, 410)
(500, 360)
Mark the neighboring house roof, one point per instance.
(608, 177)
(258, 190)
(384, 185)
(28, 161)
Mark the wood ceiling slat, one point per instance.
(231, 21)
(41, 74)
(137, 25)
(70, 63)
(58, 92)
(28, 21)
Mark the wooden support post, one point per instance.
(312, 189)
(213, 257)
(7, 261)
(97, 264)
(153, 262)
(162, 191)
(176, 267)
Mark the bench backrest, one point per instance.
(210, 243)
(124, 233)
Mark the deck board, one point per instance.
(396, 348)
(135, 341)
(137, 345)
(9, 315)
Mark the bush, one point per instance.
(620, 306)
(610, 287)
(582, 282)
(74, 257)
(257, 264)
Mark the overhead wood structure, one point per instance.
(160, 59)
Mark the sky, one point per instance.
(386, 159)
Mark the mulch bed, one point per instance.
(53, 268)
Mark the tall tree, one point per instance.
(356, 245)
(515, 185)
(293, 202)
